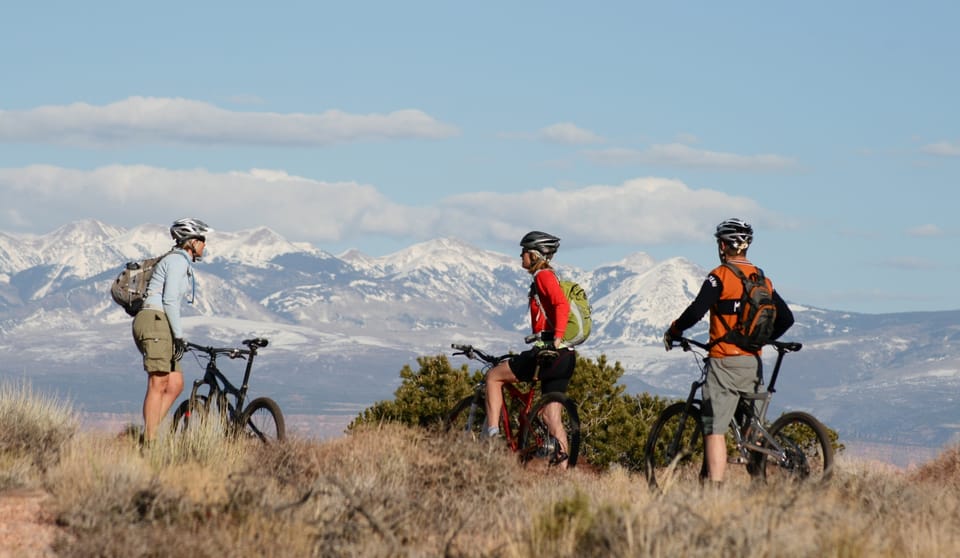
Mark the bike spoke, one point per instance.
(675, 447)
(801, 449)
(559, 446)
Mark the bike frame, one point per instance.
(220, 385)
(512, 395)
(749, 436)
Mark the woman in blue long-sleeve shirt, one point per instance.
(157, 329)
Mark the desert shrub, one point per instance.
(945, 469)
(614, 423)
(424, 397)
(114, 500)
(34, 428)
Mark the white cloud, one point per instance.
(175, 120)
(942, 149)
(300, 208)
(568, 133)
(679, 155)
(638, 211)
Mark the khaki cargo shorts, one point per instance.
(151, 332)
(726, 379)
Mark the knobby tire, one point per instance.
(668, 455)
(535, 439)
(262, 420)
(457, 418)
(809, 452)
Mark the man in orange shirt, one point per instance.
(732, 370)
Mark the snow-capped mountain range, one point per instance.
(342, 327)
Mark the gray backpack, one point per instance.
(757, 313)
(130, 287)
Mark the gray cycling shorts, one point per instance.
(726, 378)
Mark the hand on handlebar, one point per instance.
(669, 339)
(179, 346)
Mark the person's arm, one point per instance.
(784, 317)
(708, 296)
(554, 302)
(174, 289)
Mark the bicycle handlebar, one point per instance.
(473, 353)
(231, 352)
(781, 346)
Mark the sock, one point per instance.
(492, 431)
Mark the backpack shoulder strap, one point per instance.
(736, 270)
(743, 279)
(535, 294)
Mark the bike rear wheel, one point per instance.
(536, 440)
(674, 448)
(806, 452)
(262, 420)
(467, 417)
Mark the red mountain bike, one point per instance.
(521, 418)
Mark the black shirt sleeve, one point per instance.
(708, 296)
(784, 317)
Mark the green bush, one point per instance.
(424, 397)
(614, 424)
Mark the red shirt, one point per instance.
(553, 309)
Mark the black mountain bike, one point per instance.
(796, 446)
(214, 395)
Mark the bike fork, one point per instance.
(472, 416)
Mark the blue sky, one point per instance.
(621, 127)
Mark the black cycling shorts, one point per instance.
(554, 377)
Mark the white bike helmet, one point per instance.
(183, 230)
(736, 233)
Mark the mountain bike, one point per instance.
(795, 447)
(215, 395)
(521, 417)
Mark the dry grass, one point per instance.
(33, 430)
(398, 491)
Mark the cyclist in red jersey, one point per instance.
(549, 309)
(732, 370)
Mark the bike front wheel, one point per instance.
(536, 440)
(674, 447)
(469, 416)
(800, 449)
(190, 414)
(262, 420)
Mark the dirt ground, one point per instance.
(26, 530)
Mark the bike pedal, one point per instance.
(739, 460)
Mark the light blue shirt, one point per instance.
(172, 279)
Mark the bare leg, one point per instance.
(172, 392)
(496, 378)
(551, 415)
(716, 456)
(163, 388)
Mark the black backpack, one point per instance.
(756, 313)
(130, 287)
